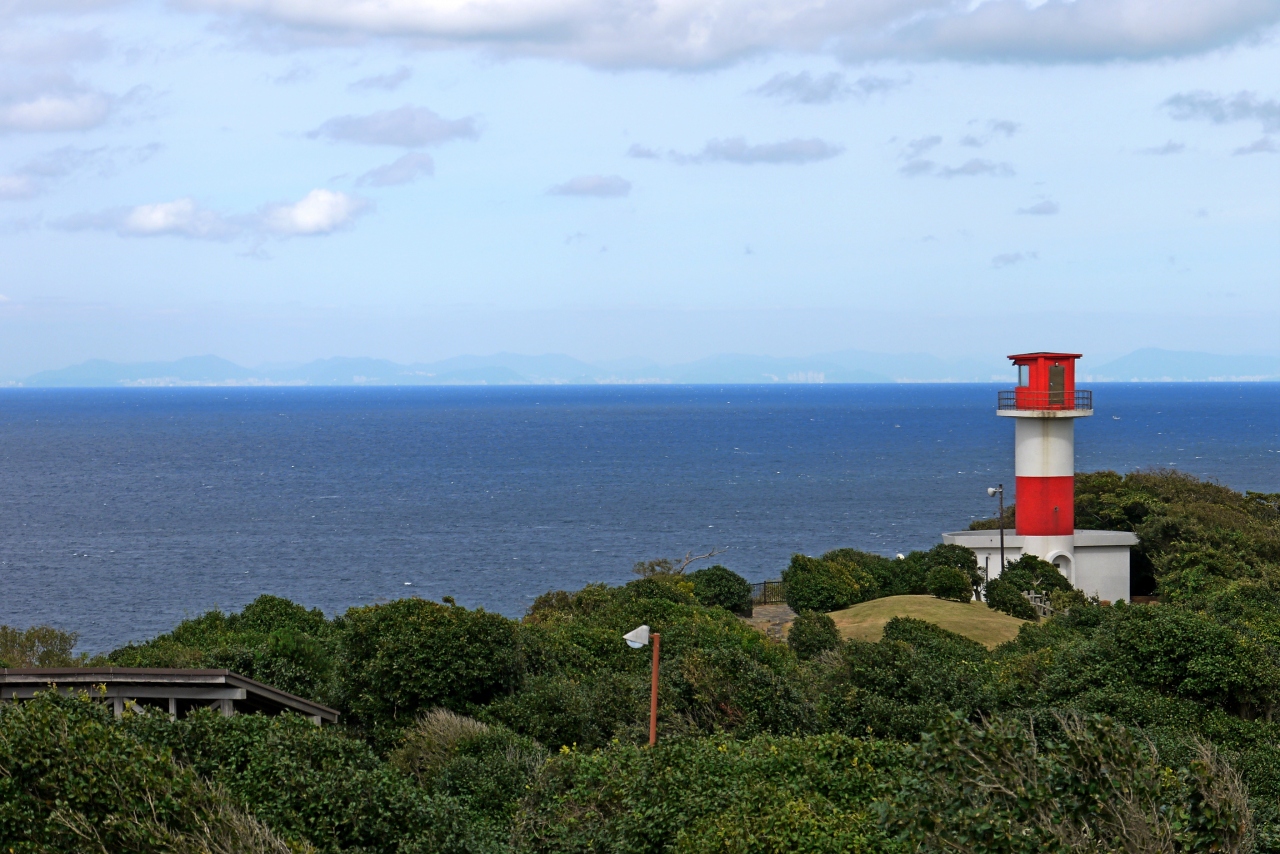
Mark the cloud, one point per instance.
(1008, 259)
(1168, 148)
(404, 169)
(17, 187)
(975, 167)
(995, 127)
(319, 212)
(684, 33)
(1265, 145)
(738, 150)
(406, 127)
(1224, 109)
(804, 88)
(1044, 208)
(643, 152)
(598, 186)
(179, 218)
(385, 82)
(917, 147)
(53, 111)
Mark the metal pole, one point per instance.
(1000, 492)
(653, 695)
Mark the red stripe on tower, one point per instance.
(1046, 506)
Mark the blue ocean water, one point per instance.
(123, 511)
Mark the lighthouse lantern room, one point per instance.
(1044, 407)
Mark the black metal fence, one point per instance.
(768, 593)
(1025, 398)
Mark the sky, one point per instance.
(275, 181)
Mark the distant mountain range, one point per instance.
(848, 366)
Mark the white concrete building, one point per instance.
(1100, 566)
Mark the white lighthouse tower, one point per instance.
(1044, 407)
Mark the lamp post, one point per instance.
(993, 491)
(636, 639)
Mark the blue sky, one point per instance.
(280, 180)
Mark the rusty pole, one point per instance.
(653, 695)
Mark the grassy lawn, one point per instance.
(974, 620)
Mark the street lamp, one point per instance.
(636, 639)
(993, 491)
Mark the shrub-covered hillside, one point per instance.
(1105, 728)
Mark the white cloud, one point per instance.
(1008, 259)
(689, 33)
(975, 167)
(1165, 150)
(319, 212)
(385, 82)
(598, 186)
(179, 218)
(406, 127)
(1223, 109)
(804, 88)
(1044, 208)
(738, 150)
(55, 111)
(404, 169)
(1265, 145)
(17, 187)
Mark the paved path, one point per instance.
(773, 620)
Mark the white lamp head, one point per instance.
(991, 490)
(637, 637)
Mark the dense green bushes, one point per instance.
(947, 582)
(718, 585)
(73, 780)
(272, 640)
(846, 577)
(405, 657)
(1088, 787)
(38, 646)
(768, 794)
(812, 633)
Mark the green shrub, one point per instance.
(315, 784)
(948, 582)
(272, 640)
(721, 586)
(768, 794)
(1091, 787)
(1030, 573)
(900, 687)
(406, 657)
(38, 646)
(667, 588)
(73, 780)
(486, 769)
(812, 633)
(817, 585)
(1003, 595)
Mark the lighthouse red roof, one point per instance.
(1031, 357)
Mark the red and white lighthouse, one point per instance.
(1045, 405)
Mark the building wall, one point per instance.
(1103, 571)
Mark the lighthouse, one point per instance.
(1044, 407)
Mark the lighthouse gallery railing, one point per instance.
(1025, 398)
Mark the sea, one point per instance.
(124, 511)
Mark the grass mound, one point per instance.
(866, 620)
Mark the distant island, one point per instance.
(846, 366)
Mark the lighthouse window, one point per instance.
(1024, 376)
